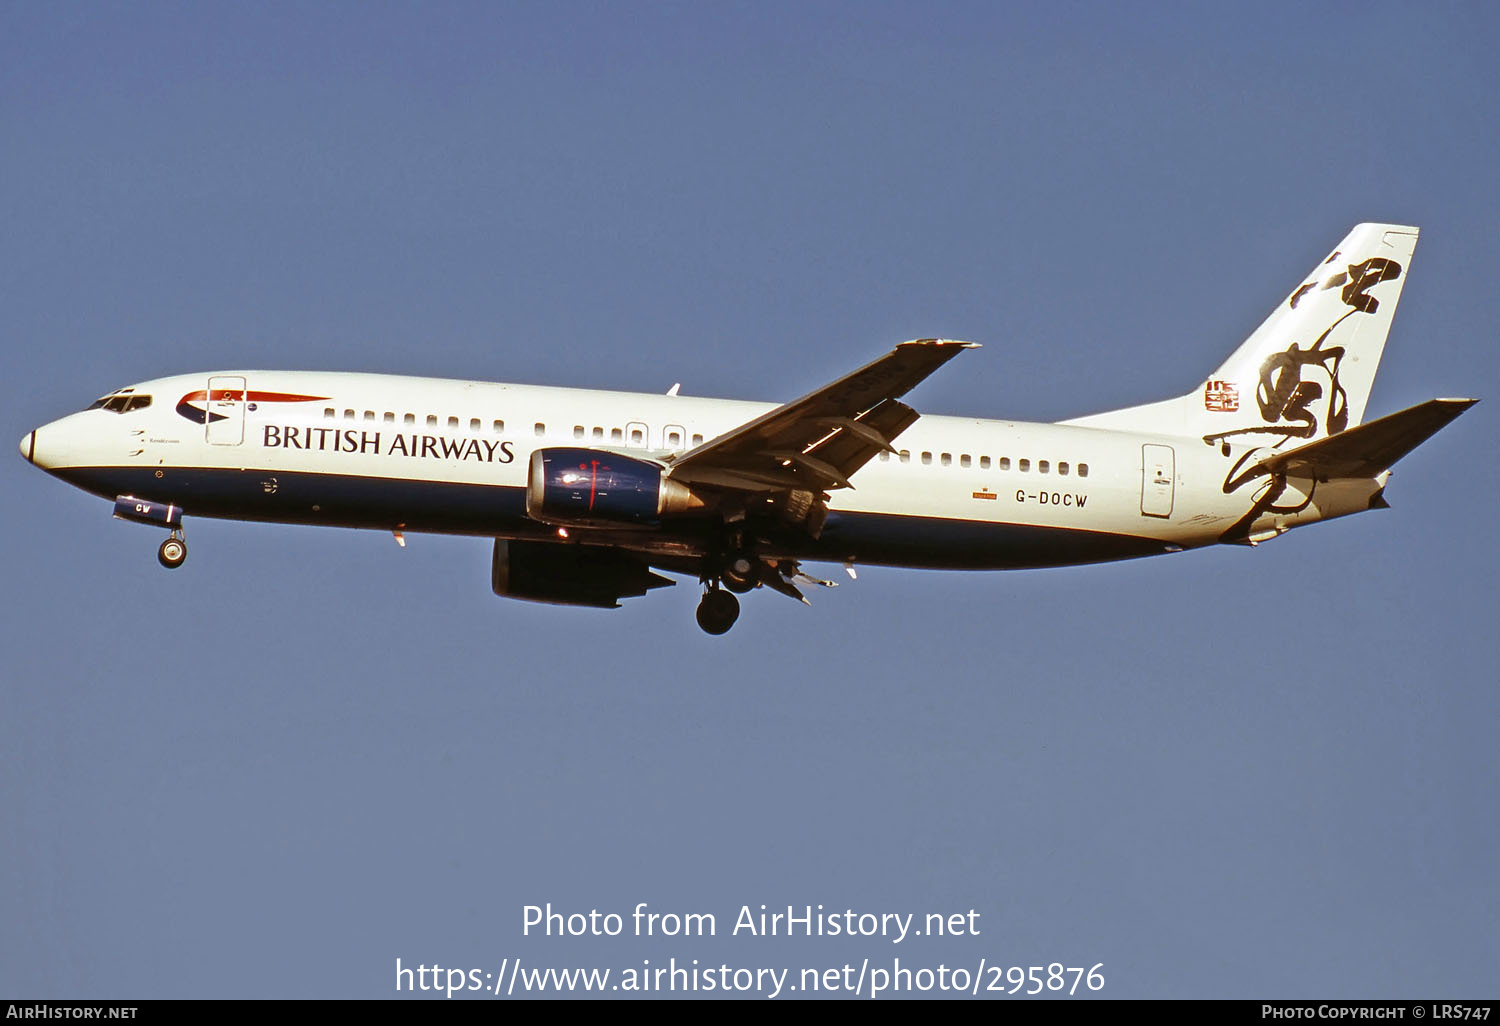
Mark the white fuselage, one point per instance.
(415, 454)
(588, 493)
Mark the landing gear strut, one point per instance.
(172, 552)
(718, 611)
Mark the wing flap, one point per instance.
(858, 440)
(820, 440)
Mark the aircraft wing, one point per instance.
(817, 442)
(1369, 449)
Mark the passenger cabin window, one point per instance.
(432, 420)
(474, 424)
(963, 461)
(885, 457)
(452, 423)
(1042, 466)
(499, 427)
(348, 414)
(1083, 470)
(329, 413)
(369, 415)
(1004, 462)
(577, 430)
(926, 459)
(389, 418)
(540, 429)
(947, 459)
(1024, 466)
(905, 455)
(984, 463)
(616, 435)
(409, 419)
(1062, 468)
(597, 434)
(697, 439)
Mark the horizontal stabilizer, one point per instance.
(1372, 448)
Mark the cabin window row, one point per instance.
(635, 435)
(1062, 467)
(432, 420)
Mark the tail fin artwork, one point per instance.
(1306, 372)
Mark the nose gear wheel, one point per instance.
(172, 552)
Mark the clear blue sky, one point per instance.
(1232, 773)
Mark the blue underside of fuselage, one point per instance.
(495, 511)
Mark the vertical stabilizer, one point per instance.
(1306, 372)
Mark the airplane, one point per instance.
(587, 494)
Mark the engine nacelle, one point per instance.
(590, 486)
(568, 575)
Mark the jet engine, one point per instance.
(591, 486)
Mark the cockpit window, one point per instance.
(123, 401)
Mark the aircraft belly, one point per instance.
(939, 544)
(324, 499)
(497, 510)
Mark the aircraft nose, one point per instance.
(50, 445)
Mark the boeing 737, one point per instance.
(588, 494)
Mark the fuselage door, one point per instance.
(1158, 471)
(225, 406)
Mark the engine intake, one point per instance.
(591, 486)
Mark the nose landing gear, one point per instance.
(158, 514)
(173, 551)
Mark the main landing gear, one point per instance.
(742, 565)
(718, 611)
(736, 573)
(741, 573)
(173, 551)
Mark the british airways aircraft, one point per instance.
(588, 493)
